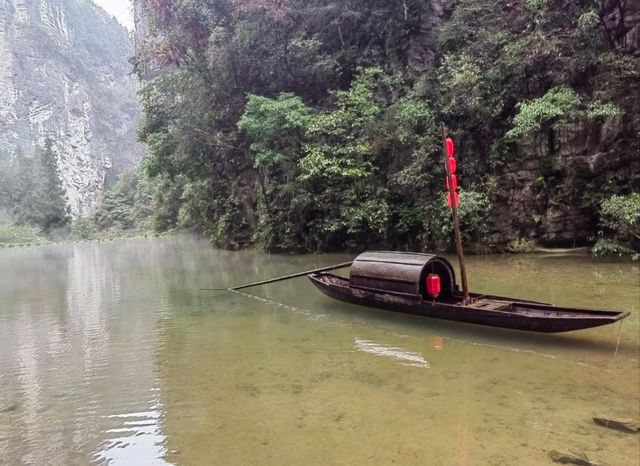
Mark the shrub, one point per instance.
(620, 219)
(83, 228)
(16, 234)
(521, 245)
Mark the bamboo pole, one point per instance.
(454, 213)
(284, 277)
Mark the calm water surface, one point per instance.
(110, 354)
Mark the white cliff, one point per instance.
(65, 76)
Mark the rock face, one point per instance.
(622, 19)
(541, 195)
(65, 76)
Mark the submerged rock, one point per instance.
(8, 408)
(570, 457)
(621, 424)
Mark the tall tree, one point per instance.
(39, 197)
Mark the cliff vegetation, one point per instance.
(313, 125)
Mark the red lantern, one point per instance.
(454, 180)
(453, 165)
(433, 285)
(455, 196)
(450, 147)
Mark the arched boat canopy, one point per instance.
(401, 273)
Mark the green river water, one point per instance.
(110, 354)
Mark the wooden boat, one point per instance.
(397, 281)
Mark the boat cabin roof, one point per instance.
(401, 272)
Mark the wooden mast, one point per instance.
(454, 213)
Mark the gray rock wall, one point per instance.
(545, 196)
(65, 76)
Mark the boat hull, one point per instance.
(507, 313)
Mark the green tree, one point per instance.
(39, 197)
(127, 205)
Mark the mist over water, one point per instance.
(110, 354)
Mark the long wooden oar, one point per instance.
(285, 277)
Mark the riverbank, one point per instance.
(19, 236)
(536, 250)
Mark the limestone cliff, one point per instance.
(65, 76)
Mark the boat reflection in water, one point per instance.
(407, 358)
(437, 343)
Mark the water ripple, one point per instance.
(138, 439)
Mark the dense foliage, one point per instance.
(313, 125)
(621, 226)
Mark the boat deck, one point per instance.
(489, 305)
